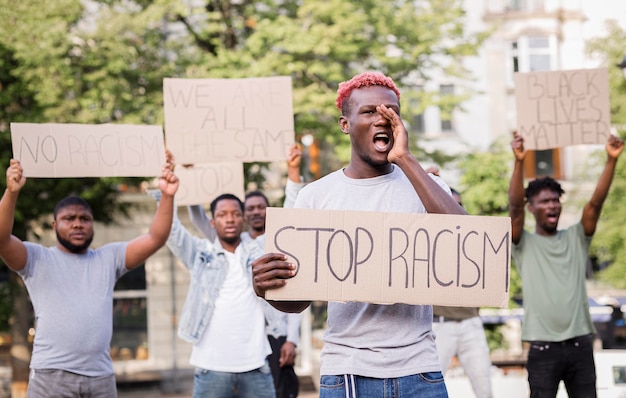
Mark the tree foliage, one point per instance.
(103, 61)
(608, 243)
(321, 43)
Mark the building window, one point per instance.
(130, 317)
(531, 54)
(545, 163)
(536, 54)
(417, 123)
(539, 54)
(515, 57)
(416, 117)
(446, 118)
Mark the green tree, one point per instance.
(103, 61)
(321, 43)
(608, 244)
(54, 70)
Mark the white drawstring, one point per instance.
(350, 386)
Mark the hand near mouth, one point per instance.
(400, 146)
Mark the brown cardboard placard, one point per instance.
(84, 150)
(204, 182)
(392, 257)
(560, 108)
(224, 120)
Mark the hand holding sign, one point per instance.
(271, 271)
(518, 146)
(15, 176)
(614, 147)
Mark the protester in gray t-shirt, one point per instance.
(71, 288)
(368, 348)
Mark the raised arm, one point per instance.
(142, 247)
(202, 222)
(294, 182)
(516, 189)
(434, 197)
(12, 249)
(593, 208)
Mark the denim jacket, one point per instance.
(208, 267)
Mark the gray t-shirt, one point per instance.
(381, 341)
(72, 297)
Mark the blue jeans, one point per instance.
(61, 384)
(423, 385)
(570, 360)
(256, 383)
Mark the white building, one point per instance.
(527, 36)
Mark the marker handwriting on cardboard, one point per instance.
(76, 150)
(414, 253)
(562, 108)
(203, 182)
(219, 120)
(389, 258)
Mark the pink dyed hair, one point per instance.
(365, 79)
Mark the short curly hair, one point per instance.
(540, 184)
(365, 79)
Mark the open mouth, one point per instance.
(552, 218)
(382, 141)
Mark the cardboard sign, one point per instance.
(204, 182)
(561, 108)
(223, 120)
(392, 257)
(82, 150)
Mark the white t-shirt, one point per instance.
(226, 346)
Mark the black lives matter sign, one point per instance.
(561, 108)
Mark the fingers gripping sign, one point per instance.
(518, 146)
(614, 146)
(271, 271)
(168, 183)
(15, 176)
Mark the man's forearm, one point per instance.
(289, 306)
(7, 213)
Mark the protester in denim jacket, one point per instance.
(283, 330)
(221, 316)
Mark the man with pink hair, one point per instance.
(371, 350)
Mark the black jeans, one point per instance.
(285, 378)
(571, 360)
